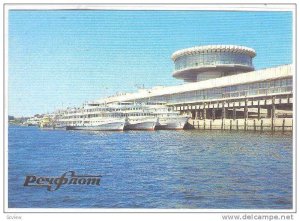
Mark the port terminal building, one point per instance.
(222, 90)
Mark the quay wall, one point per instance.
(264, 124)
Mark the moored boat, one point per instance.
(172, 122)
(92, 117)
(46, 123)
(167, 118)
(100, 126)
(120, 116)
(141, 124)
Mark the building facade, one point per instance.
(267, 82)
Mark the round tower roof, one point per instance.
(213, 48)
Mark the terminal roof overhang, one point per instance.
(190, 74)
(244, 78)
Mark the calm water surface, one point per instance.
(159, 169)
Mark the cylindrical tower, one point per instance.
(212, 61)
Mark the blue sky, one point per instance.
(63, 58)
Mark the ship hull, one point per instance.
(115, 126)
(172, 123)
(60, 127)
(47, 128)
(149, 125)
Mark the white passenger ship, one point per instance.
(93, 117)
(122, 116)
(138, 116)
(168, 119)
(150, 116)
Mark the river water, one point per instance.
(153, 169)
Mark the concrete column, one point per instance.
(269, 112)
(246, 109)
(223, 111)
(193, 114)
(196, 115)
(204, 112)
(213, 114)
(258, 112)
(273, 108)
(234, 113)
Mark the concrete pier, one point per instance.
(259, 113)
(266, 124)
